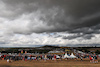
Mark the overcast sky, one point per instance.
(25, 23)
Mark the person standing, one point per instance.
(55, 57)
(61, 57)
(45, 57)
(90, 59)
(96, 59)
(81, 58)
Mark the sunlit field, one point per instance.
(50, 63)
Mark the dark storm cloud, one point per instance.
(71, 37)
(84, 36)
(88, 36)
(87, 30)
(56, 15)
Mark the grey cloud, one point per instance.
(73, 16)
(2, 42)
(88, 30)
(84, 36)
(71, 37)
(88, 36)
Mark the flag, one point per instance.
(21, 51)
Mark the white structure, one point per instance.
(80, 52)
(55, 51)
(66, 56)
(57, 56)
(71, 56)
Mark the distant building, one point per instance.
(55, 52)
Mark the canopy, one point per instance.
(66, 56)
(72, 56)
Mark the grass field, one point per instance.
(49, 63)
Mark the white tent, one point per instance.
(72, 56)
(66, 56)
(57, 56)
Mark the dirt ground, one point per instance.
(50, 63)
